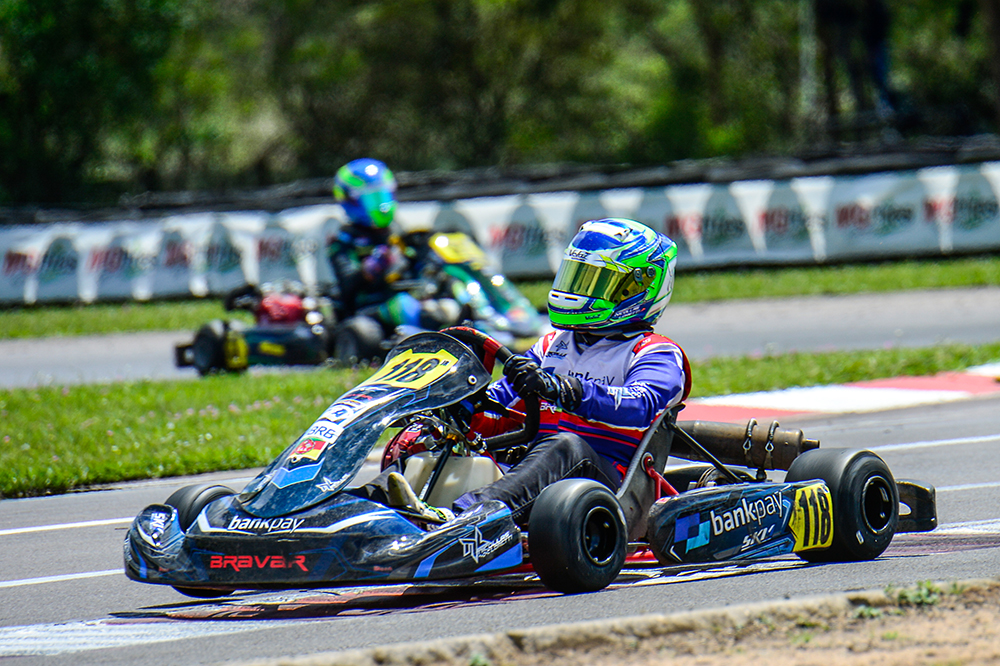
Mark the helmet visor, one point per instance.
(379, 205)
(600, 282)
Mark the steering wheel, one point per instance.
(489, 351)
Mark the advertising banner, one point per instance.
(928, 211)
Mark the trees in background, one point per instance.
(100, 97)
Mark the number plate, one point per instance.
(414, 370)
(812, 517)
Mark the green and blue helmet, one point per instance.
(616, 274)
(366, 189)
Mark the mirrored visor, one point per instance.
(380, 200)
(576, 277)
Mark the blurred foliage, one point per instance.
(100, 97)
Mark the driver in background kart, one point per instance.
(367, 257)
(603, 376)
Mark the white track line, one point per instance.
(937, 442)
(66, 526)
(58, 579)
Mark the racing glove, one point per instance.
(528, 378)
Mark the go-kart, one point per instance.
(293, 329)
(289, 329)
(298, 524)
(457, 268)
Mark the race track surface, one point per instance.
(729, 328)
(66, 600)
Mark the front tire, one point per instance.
(577, 537)
(189, 502)
(865, 502)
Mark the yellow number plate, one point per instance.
(812, 517)
(414, 370)
(236, 351)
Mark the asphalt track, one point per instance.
(65, 600)
(726, 328)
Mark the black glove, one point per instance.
(529, 379)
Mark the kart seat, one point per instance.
(639, 490)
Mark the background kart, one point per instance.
(292, 329)
(298, 524)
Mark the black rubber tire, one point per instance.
(358, 340)
(865, 502)
(577, 538)
(190, 500)
(207, 350)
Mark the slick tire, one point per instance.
(189, 502)
(865, 502)
(358, 340)
(577, 538)
(207, 350)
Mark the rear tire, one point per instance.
(189, 502)
(865, 502)
(358, 340)
(208, 349)
(577, 538)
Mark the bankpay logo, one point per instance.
(745, 512)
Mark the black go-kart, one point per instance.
(298, 524)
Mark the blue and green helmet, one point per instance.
(615, 274)
(366, 189)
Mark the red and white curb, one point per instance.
(870, 396)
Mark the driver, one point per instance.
(367, 257)
(603, 376)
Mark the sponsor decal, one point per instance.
(241, 562)
(606, 380)
(326, 485)
(559, 351)
(757, 537)
(478, 548)
(414, 369)
(19, 263)
(158, 525)
(574, 253)
(327, 431)
(269, 348)
(811, 522)
(692, 531)
(745, 512)
(309, 447)
(264, 525)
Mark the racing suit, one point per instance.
(366, 261)
(626, 382)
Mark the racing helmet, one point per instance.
(616, 274)
(366, 189)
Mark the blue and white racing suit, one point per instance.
(627, 382)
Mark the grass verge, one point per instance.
(37, 321)
(56, 439)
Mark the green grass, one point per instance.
(50, 320)
(56, 439)
(36, 321)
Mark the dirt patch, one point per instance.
(930, 624)
(924, 625)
